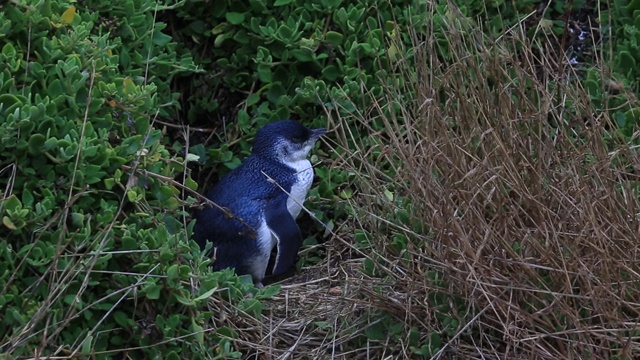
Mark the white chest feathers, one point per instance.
(299, 190)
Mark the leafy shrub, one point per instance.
(96, 259)
(618, 91)
(624, 19)
(95, 253)
(270, 59)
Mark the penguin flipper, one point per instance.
(287, 233)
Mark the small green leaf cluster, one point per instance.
(387, 329)
(498, 14)
(624, 50)
(284, 59)
(625, 21)
(94, 244)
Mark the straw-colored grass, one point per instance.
(521, 198)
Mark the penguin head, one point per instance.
(286, 141)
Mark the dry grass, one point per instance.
(520, 196)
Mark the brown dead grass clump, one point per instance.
(519, 202)
(528, 195)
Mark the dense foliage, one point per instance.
(95, 252)
(98, 171)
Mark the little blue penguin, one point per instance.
(260, 201)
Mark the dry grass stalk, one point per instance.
(525, 201)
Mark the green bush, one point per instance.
(624, 18)
(95, 253)
(618, 92)
(275, 60)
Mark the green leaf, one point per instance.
(393, 52)
(388, 194)
(302, 54)
(13, 314)
(219, 29)
(109, 183)
(192, 157)
(243, 116)
(251, 306)
(128, 86)
(330, 4)
(206, 295)
(172, 355)
(122, 319)
(9, 51)
(376, 332)
(161, 39)
(632, 116)
(241, 37)
(282, 2)
(323, 325)
(190, 183)
(346, 193)
(284, 33)
(184, 300)
(172, 272)
(625, 61)
(198, 331)
(8, 223)
(621, 120)
(9, 102)
(12, 204)
(27, 198)
(197, 26)
(220, 39)
(235, 18)
(253, 99)
(68, 15)
(227, 332)
(340, 17)
(264, 73)
(128, 243)
(268, 292)
(87, 345)
(153, 291)
(183, 270)
(77, 219)
(334, 38)
(331, 72)
(132, 196)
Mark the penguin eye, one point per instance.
(297, 139)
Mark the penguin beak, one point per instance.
(317, 133)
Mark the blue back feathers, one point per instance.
(248, 198)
